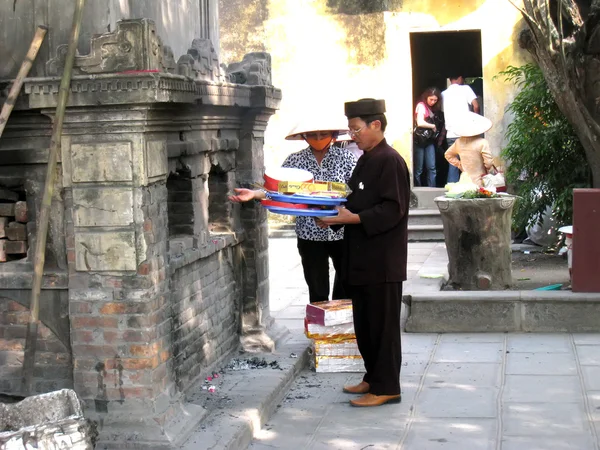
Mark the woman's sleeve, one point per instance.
(451, 156)
(420, 113)
(486, 153)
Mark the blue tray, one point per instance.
(306, 199)
(302, 212)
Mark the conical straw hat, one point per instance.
(471, 124)
(309, 124)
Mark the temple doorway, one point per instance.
(437, 55)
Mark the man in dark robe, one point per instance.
(375, 241)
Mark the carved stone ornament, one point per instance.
(133, 46)
(201, 62)
(253, 70)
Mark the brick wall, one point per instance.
(53, 366)
(121, 324)
(204, 298)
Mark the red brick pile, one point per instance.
(13, 226)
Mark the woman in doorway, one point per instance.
(424, 149)
(326, 162)
(471, 153)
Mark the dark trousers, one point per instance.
(376, 310)
(315, 262)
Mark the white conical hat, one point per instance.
(470, 124)
(311, 123)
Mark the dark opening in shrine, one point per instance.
(436, 56)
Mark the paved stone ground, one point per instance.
(460, 391)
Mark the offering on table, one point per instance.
(323, 188)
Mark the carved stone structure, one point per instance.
(152, 276)
(477, 235)
(255, 68)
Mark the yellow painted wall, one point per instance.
(322, 59)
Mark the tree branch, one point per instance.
(531, 22)
(526, 16)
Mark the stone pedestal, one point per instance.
(477, 235)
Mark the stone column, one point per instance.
(477, 235)
(114, 176)
(255, 317)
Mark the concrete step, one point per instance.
(503, 311)
(419, 233)
(424, 217)
(426, 195)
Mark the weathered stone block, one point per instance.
(102, 207)
(134, 45)
(450, 312)
(112, 251)
(7, 209)
(201, 62)
(3, 225)
(156, 158)
(12, 248)
(21, 212)
(101, 162)
(16, 231)
(53, 420)
(254, 69)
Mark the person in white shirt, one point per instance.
(456, 101)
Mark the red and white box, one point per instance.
(328, 313)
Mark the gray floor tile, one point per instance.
(469, 352)
(544, 443)
(539, 342)
(594, 403)
(331, 441)
(451, 434)
(542, 388)
(417, 258)
(412, 367)
(540, 364)
(344, 418)
(464, 374)
(586, 338)
(474, 402)
(544, 419)
(591, 377)
(422, 245)
(589, 355)
(418, 343)
(409, 387)
(463, 338)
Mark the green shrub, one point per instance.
(545, 158)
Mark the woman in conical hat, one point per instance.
(471, 153)
(327, 162)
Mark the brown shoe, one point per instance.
(375, 400)
(360, 388)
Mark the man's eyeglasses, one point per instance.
(355, 132)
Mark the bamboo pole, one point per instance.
(44, 217)
(9, 104)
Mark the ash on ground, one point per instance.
(251, 364)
